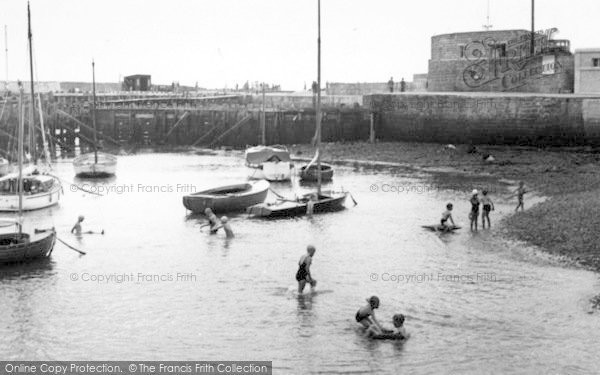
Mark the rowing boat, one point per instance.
(328, 201)
(440, 228)
(227, 198)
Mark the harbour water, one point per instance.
(156, 286)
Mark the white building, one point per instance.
(587, 70)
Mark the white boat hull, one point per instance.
(10, 202)
(85, 165)
(271, 171)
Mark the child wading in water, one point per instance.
(366, 314)
(303, 275)
(474, 214)
(488, 206)
(226, 227)
(213, 221)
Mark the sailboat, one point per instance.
(18, 246)
(272, 163)
(31, 188)
(96, 164)
(316, 202)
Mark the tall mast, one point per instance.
(6, 57)
(263, 119)
(20, 131)
(532, 47)
(319, 99)
(94, 111)
(32, 138)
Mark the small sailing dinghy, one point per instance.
(227, 198)
(272, 163)
(440, 228)
(96, 164)
(319, 201)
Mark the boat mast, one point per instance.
(319, 99)
(6, 58)
(94, 111)
(263, 119)
(20, 132)
(32, 138)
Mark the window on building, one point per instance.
(461, 51)
(596, 62)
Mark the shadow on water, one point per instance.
(37, 269)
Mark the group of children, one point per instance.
(487, 206)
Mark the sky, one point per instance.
(221, 43)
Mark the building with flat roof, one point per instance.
(500, 60)
(587, 70)
(137, 82)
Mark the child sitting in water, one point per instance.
(366, 314)
(447, 215)
(399, 333)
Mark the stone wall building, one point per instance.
(500, 60)
(587, 70)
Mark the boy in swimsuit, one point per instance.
(366, 314)
(447, 215)
(303, 275)
(520, 192)
(399, 333)
(488, 206)
(474, 215)
(77, 227)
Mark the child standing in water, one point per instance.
(488, 206)
(213, 221)
(303, 275)
(366, 314)
(474, 215)
(226, 227)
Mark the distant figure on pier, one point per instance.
(402, 85)
(474, 214)
(303, 275)
(488, 206)
(226, 227)
(391, 84)
(366, 314)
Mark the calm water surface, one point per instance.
(472, 302)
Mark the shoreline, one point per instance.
(563, 225)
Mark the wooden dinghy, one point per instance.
(328, 202)
(87, 166)
(18, 247)
(227, 198)
(309, 173)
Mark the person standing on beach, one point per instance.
(520, 193)
(303, 275)
(488, 206)
(474, 215)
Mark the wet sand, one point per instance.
(565, 225)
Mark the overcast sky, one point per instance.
(220, 43)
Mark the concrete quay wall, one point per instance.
(482, 118)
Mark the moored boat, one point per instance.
(21, 247)
(39, 191)
(87, 165)
(272, 163)
(327, 201)
(227, 198)
(309, 172)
